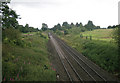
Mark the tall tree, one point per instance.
(81, 25)
(44, 27)
(9, 16)
(58, 26)
(66, 25)
(90, 25)
(77, 25)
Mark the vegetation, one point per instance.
(65, 26)
(101, 48)
(26, 28)
(24, 55)
(9, 20)
(44, 27)
(28, 63)
(99, 45)
(99, 34)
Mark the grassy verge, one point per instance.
(103, 53)
(28, 63)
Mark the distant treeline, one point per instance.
(26, 28)
(89, 26)
(114, 26)
(65, 25)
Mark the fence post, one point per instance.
(81, 36)
(90, 37)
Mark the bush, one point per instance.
(11, 36)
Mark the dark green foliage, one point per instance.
(9, 20)
(90, 26)
(81, 36)
(11, 36)
(114, 26)
(118, 45)
(65, 32)
(77, 25)
(28, 63)
(8, 16)
(26, 29)
(81, 25)
(72, 24)
(57, 27)
(90, 37)
(66, 25)
(116, 36)
(109, 27)
(44, 27)
(97, 27)
(102, 54)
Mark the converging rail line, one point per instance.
(83, 65)
(66, 63)
(77, 66)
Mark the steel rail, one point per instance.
(82, 61)
(74, 69)
(64, 65)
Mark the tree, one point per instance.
(114, 26)
(65, 32)
(81, 25)
(109, 27)
(90, 25)
(72, 24)
(66, 25)
(58, 26)
(77, 25)
(44, 26)
(97, 27)
(9, 16)
(116, 36)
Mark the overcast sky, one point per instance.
(52, 12)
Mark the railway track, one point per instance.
(91, 72)
(72, 73)
(78, 67)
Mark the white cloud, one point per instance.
(36, 12)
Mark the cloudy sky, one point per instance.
(51, 12)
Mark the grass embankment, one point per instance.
(99, 34)
(28, 63)
(101, 49)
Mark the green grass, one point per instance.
(99, 34)
(102, 52)
(28, 63)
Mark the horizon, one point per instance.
(101, 13)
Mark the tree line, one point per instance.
(89, 26)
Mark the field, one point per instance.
(100, 34)
(101, 48)
(30, 62)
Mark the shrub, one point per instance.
(11, 36)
